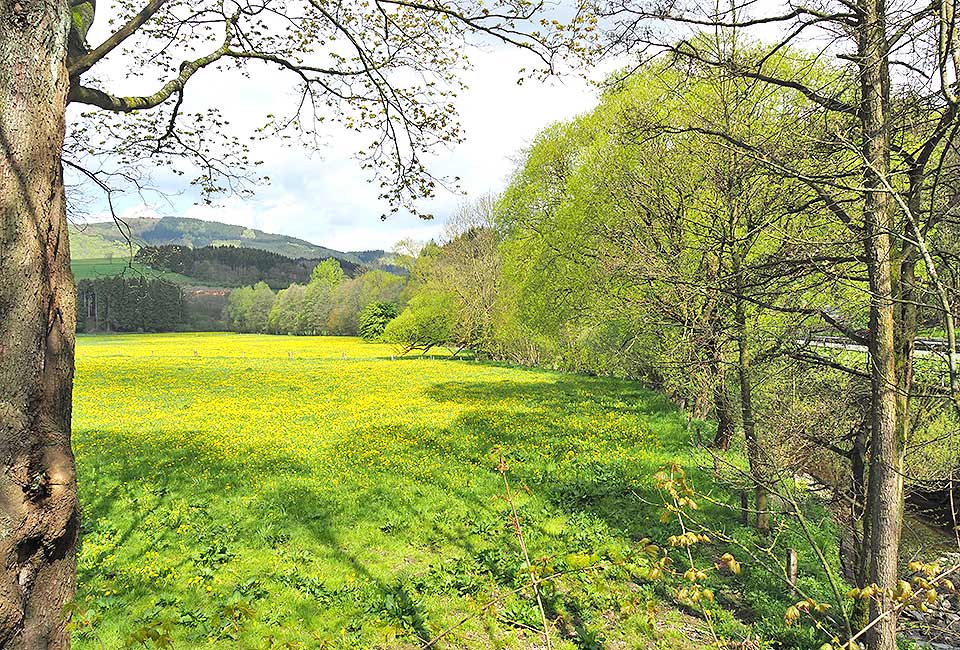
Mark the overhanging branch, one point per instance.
(101, 99)
(87, 61)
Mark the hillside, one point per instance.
(87, 245)
(97, 240)
(233, 266)
(372, 257)
(111, 267)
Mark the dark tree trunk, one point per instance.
(723, 409)
(38, 499)
(720, 392)
(754, 451)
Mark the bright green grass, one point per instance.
(89, 269)
(241, 498)
(85, 245)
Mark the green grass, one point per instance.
(86, 245)
(109, 267)
(243, 491)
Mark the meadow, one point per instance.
(245, 491)
(122, 265)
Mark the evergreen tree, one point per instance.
(374, 318)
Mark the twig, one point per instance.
(502, 468)
(493, 601)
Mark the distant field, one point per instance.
(245, 491)
(109, 267)
(85, 245)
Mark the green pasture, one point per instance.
(119, 265)
(244, 491)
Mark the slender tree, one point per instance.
(863, 118)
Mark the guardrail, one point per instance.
(938, 347)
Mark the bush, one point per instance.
(374, 318)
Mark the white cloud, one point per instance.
(326, 198)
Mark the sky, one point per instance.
(324, 197)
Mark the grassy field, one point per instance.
(244, 491)
(86, 245)
(109, 267)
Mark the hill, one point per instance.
(86, 245)
(379, 259)
(95, 240)
(373, 257)
(233, 266)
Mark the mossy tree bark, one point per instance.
(38, 499)
(885, 488)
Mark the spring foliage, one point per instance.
(330, 303)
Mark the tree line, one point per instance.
(141, 303)
(125, 304)
(699, 231)
(330, 303)
(231, 265)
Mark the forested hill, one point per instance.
(232, 266)
(104, 238)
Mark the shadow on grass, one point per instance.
(604, 486)
(444, 534)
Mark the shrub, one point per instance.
(374, 318)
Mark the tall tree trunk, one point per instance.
(38, 500)
(713, 345)
(754, 455)
(905, 333)
(885, 488)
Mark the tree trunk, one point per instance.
(754, 456)
(885, 488)
(723, 408)
(720, 392)
(855, 543)
(38, 500)
(713, 346)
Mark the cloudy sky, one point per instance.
(325, 197)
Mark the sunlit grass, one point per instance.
(243, 491)
(123, 265)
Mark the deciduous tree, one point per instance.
(386, 68)
(891, 155)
